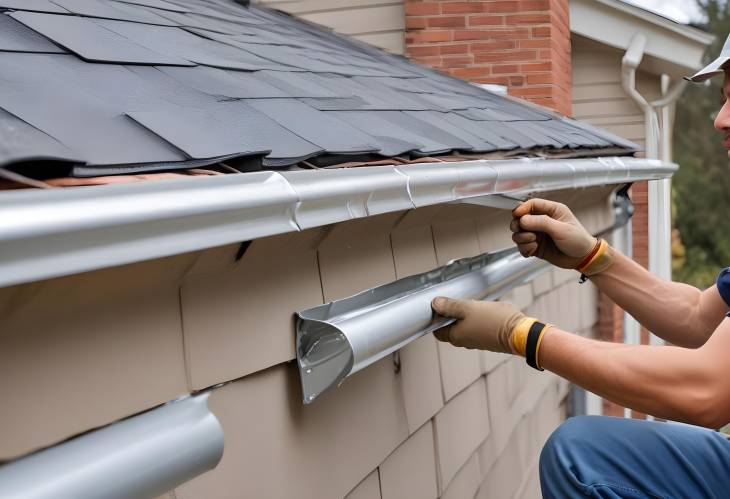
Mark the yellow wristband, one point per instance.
(519, 335)
(601, 261)
(602, 245)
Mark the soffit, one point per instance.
(671, 48)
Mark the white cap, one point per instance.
(716, 67)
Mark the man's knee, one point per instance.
(573, 433)
(561, 455)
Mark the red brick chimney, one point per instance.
(523, 44)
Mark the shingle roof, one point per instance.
(118, 86)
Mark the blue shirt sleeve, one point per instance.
(723, 286)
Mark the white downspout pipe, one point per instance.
(657, 145)
(624, 236)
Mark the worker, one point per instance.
(605, 457)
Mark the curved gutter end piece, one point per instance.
(324, 355)
(338, 339)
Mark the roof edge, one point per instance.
(657, 19)
(53, 233)
(673, 48)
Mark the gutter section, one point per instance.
(141, 457)
(52, 233)
(340, 338)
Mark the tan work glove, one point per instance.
(482, 325)
(550, 231)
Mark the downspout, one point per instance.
(657, 136)
(141, 456)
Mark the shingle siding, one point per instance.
(458, 410)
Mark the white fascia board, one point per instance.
(671, 48)
(141, 456)
(52, 233)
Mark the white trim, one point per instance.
(672, 48)
(652, 17)
(45, 234)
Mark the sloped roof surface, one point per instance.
(163, 84)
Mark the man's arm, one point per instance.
(675, 383)
(680, 384)
(679, 313)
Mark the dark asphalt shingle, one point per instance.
(165, 84)
(15, 37)
(91, 41)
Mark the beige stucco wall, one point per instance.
(82, 351)
(378, 22)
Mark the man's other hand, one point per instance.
(550, 231)
(481, 325)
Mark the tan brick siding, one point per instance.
(442, 424)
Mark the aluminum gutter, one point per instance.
(142, 457)
(340, 338)
(51, 233)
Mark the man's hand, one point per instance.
(481, 325)
(550, 231)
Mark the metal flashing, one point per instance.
(141, 456)
(51, 233)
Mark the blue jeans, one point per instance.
(604, 457)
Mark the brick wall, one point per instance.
(523, 44)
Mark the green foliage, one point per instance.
(702, 185)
